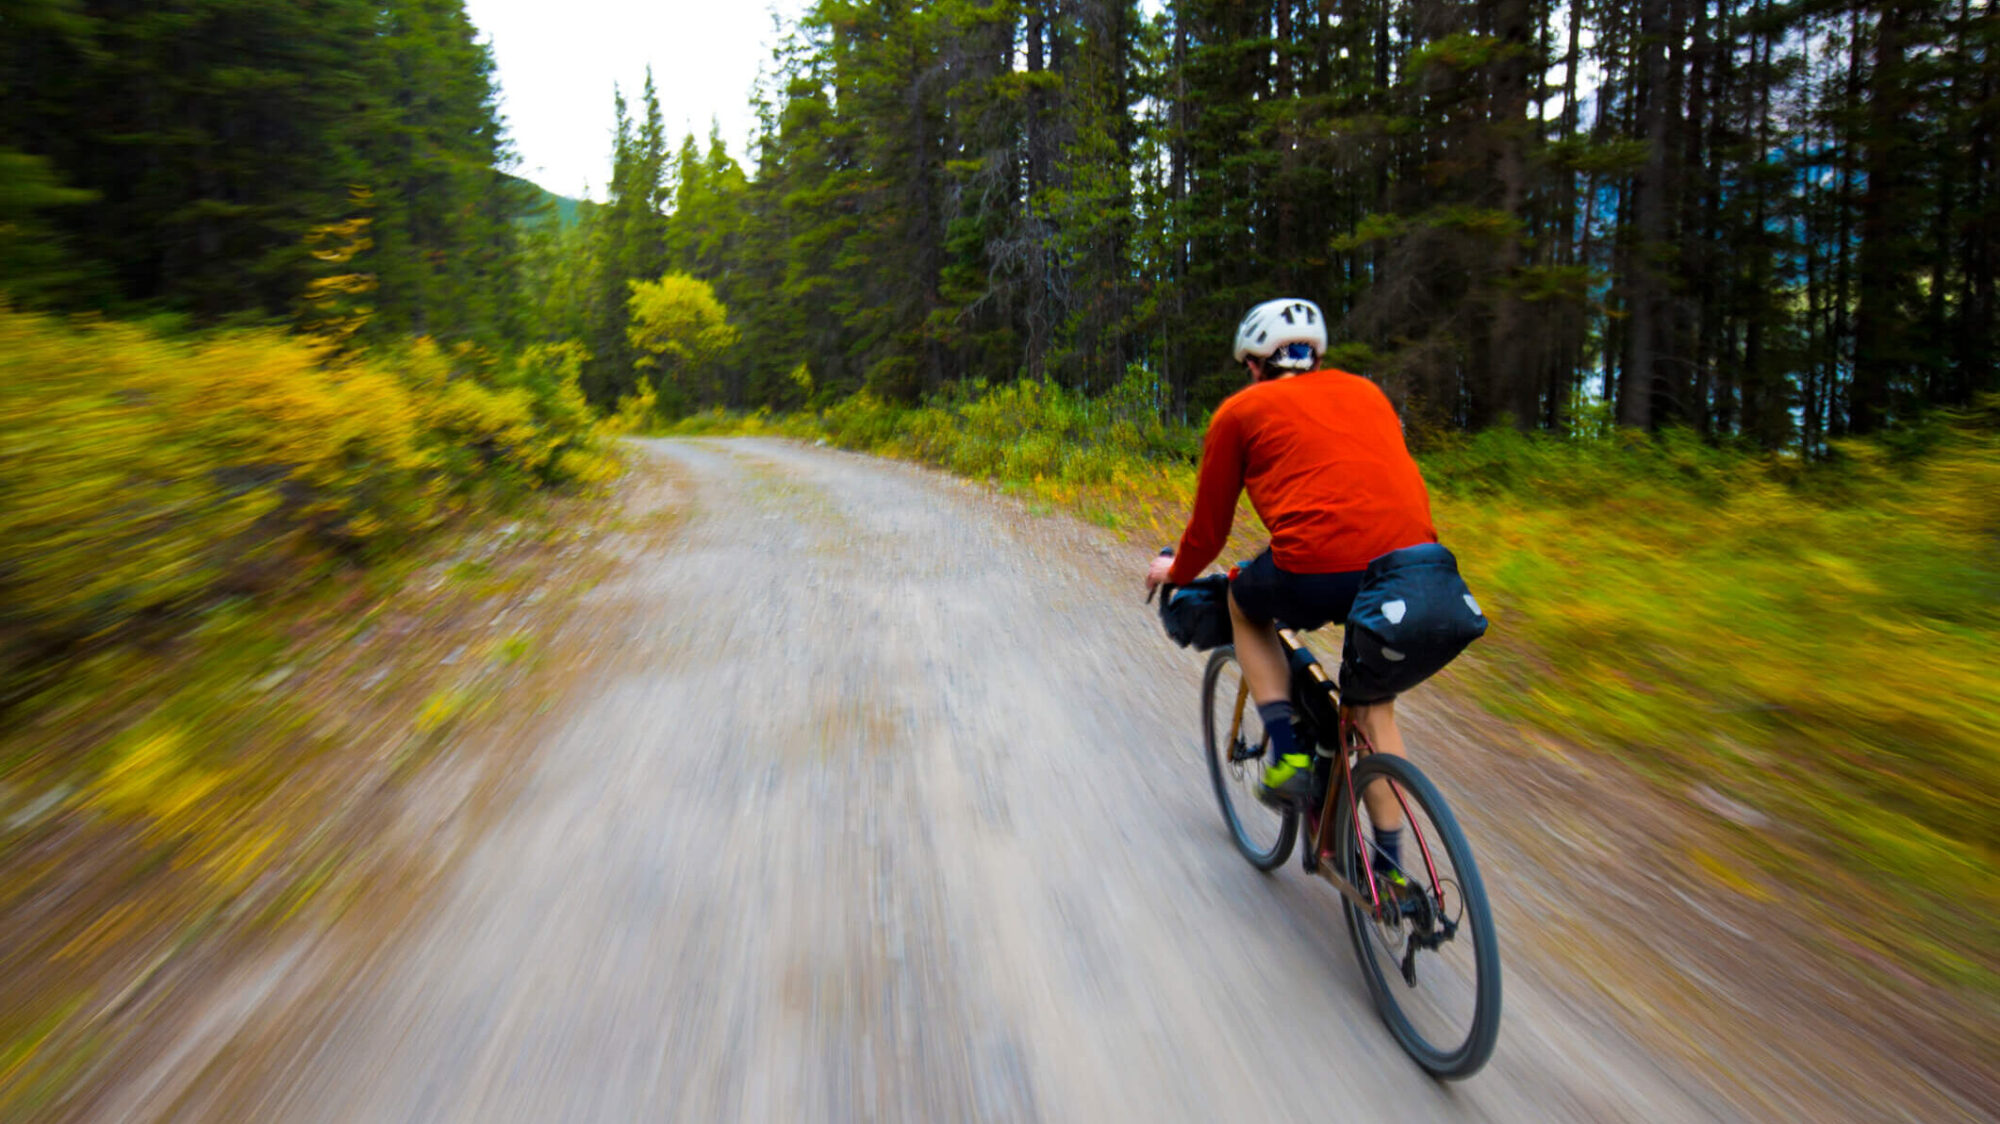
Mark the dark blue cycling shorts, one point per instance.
(1410, 615)
(1267, 593)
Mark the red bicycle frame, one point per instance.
(1353, 744)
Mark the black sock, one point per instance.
(1390, 844)
(1277, 718)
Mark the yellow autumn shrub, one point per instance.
(143, 473)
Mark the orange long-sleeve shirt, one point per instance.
(1323, 459)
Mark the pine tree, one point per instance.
(1693, 214)
(214, 136)
(628, 242)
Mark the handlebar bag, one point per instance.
(1196, 615)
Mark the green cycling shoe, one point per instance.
(1399, 894)
(1288, 783)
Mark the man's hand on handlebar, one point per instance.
(1156, 573)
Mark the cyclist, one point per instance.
(1321, 453)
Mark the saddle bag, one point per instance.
(1413, 615)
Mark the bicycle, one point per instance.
(1438, 914)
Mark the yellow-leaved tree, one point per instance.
(334, 305)
(682, 333)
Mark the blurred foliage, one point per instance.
(184, 522)
(680, 333)
(1813, 640)
(334, 306)
(638, 412)
(166, 803)
(35, 264)
(1023, 431)
(191, 509)
(719, 422)
(148, 477)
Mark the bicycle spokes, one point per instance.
(1427, 946)
(1235, 742)
(1424, 936)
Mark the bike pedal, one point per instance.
(1274, 802)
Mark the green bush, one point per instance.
(1022, 431)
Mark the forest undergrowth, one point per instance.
(234, 573)
(1807, 647)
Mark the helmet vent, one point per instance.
(1274, 325)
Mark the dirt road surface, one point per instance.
(885, 803)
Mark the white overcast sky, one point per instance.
(557, 63)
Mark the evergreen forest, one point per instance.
(1767, 222)
(210, 160)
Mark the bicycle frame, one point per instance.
(1394, 916)
(1306, 670)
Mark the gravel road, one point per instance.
(888, 807)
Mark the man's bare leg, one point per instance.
(1267, 672)
(1379, 723)
(1262, 657)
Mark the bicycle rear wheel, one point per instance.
(1433, 965)
(1236, 764)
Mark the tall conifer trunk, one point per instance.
(1641, 383)
(1881, 320)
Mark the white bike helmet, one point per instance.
(1271, 330)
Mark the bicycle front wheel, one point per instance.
(1430, 955)
(1237, 753)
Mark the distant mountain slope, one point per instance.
(560, 207)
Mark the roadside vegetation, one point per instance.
(1807, 647)
(272, 388)
(154, 477)
(208, 548)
